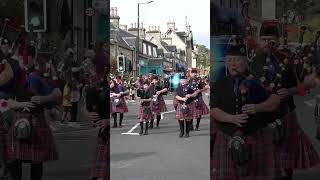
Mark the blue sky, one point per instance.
(160, 12)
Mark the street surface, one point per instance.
(161, 155)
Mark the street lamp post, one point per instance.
(138, 39)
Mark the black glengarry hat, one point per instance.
(237, 50)
(269, 28)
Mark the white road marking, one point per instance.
(130, 132)
(134, 134)
(311, 102)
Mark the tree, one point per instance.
(203, 56)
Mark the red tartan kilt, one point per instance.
(3, 139)
(296, 152)
(122, 108)
(261, 166)
(161, 107)
(40, 147)
(202, 109)
(189, 116)
(100, 168)
(143, 115)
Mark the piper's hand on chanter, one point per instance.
(37, 99)
(101, 123)
(93, 116)
(283, 93)
(20, 105)
(249, 109)
(238, 119)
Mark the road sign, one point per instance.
(90, 12)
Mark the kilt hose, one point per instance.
(261, 166)
(122, 108)
(296, 152)
(100, 167)
(187, 116)
(40, 147)
(160, 107)
(201, 108)
(143, 115)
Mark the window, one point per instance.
(144, 48)
(154, 51)
(149, 51)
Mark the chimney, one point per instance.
(158, 28)
(116, 11)
(131, 25)
(171, 25)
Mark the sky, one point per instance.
(159, 12)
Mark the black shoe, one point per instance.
(146, 130)
(181, 124)
(114, 126)
(141, 128)
(120, 126)
(197, 129)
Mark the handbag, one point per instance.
(147, 110)
(278, 131)
(184, 109)
(22, 129)
(117, 102)
(240, 154)
(104, 134)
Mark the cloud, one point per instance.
(160, 12)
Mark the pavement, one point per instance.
(161, 154)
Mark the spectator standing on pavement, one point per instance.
(75, 98)
(66, 103)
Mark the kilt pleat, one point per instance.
(188, 116)
(143, 115)
(159, 108)
(40, 147)
(296, 152)
(261, 166)
(3, 140)
(100, 167)
(122, 108)
(202, 109)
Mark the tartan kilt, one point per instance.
(144, 116)
(202, 109)
(3, 140)
(175, 103)
(100, 168)
(122, 108)
(188, 116)
(296, 152)
(261, 166)
(40, 147)
(161, 107)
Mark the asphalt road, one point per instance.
(162, 154)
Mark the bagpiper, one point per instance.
(145, 111)
(96, 109)
(243, 147)
(30, 138)
(158, 104)
(118, 93)
(201, 107)
(276, 71)
(185, 107)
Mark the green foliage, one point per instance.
(203, 57)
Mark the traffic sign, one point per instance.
(90, 12)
